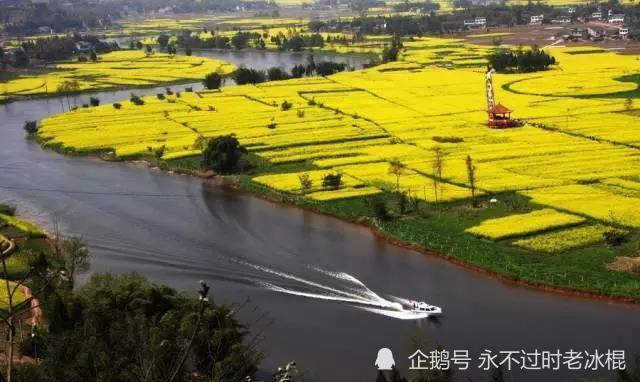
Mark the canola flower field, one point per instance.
(577, 157)
(113, 70)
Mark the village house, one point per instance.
(536, 19)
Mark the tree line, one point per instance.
(521, 60)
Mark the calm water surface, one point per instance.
(178, 230)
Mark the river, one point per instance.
(178, 230)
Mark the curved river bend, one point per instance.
(178, 230)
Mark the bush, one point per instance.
(212, 81)
(31, 127)
(85, 105)
(272, 125)
(616, 237)
(222, 154)
(188, 90)
(286, 105)
(332, 181)
(82, 58)
(379, 207)
(300, 113)
(136, 100)
(160, 96)
(249, 76)
(94, 101)
(116, 105)
(306, 183)
(168, 91)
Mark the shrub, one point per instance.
(85, 105)
(82, 58)
(168, 91)
(312, 102)
(305, 183)
(300, 113)
(379, 207)
(332, 181)
(188, 90)
(286, 105)
(615, 237)
(212, 81)
(160, 96)
(116, 105)
(136, 100)
(272, 125)
(94, 101)
(31, 127)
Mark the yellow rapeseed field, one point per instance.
(116, 69)
(578, 153)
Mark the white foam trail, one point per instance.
(304, 281)
(347, 277)
(275, 288)
(359, 295)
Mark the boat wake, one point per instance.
(337, 287)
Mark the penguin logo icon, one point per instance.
(385, 361)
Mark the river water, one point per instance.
(296, 273)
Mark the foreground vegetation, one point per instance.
(113, 328)
(415, 129)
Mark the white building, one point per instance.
(623, 33)
(536, 19)
(616, 19)
(596, 16)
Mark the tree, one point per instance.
(188, 51)
(397, 168)
(437, 166)
(249, 76)
(70, 256)
(222, 154)
(67, 88)
(471, 176)
(124, 328)
(212, 81)
(163, 40)
(277, 74)
(306, 183)
(21, 58)
(240, 40)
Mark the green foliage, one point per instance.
(286, 105)
(124, 328)
(31, 127)
(222, 154)
(332, 181)
(244, 76)
(521, 61)
(212, 81)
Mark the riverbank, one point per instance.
(438, 230)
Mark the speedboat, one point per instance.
(423, 307)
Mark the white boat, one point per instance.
(423, 307)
